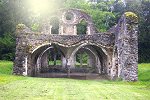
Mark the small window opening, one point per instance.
(69, 16)
(55, 25)
(82, 59)
(82, 27)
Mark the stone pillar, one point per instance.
(55, 56)
(81, 62)
(63, 59)
(88, 30)
(20, 62)
(127, 45)
(25, 73)
(71, 62)
(98, 65)
(91, 60)
(44, 60)
(75, 30)
(30, 66)
(68, 68)
(114, 69)
(61, 30)
(38, 63)
(50, 29)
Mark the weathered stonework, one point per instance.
(114, 53)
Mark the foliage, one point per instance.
(144, 32)
(132, 16)
(103, 19)
(7, 47)
(105, 14)
(82, 57)
(82, 27)
(35, 27)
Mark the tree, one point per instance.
(7, 46)
(105, 14)
(144, 32)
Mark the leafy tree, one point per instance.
(102, 18)
(7, 46)
(144, 32)
(105, 14)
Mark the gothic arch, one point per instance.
(93, 59)
(100, 52)
(38, 54)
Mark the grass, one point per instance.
(29, 88)
(144, 72)
(58, 62)
(6, 67)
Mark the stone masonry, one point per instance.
(113, 53)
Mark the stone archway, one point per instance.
(39, 59)
(122, 61)
(92, 60)
(102, 59)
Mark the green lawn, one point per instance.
(29, 88)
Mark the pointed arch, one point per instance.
(82, 27)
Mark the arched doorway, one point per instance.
(47, 59)
(89, 60)
(86, 60)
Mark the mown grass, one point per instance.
(29, 88)
(144, 72)
(6, 73)
(6, 67)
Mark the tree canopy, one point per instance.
(105, 14)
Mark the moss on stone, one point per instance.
(20, 26)
(132, 17)
(29, 47)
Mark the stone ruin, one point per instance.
(113, 53)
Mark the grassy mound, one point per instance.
(29, 88)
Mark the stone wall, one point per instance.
(127, 46)
(116, 50)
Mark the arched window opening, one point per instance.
(54, 57)
(69, 16)
(50, 61)
(82, 27)
(82, 59)
(55, 25)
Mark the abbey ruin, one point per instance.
(113, 53)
